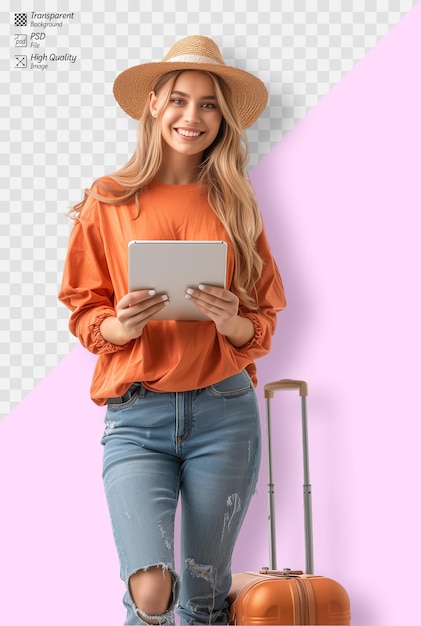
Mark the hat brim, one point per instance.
(249, 94)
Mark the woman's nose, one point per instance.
(191, 114)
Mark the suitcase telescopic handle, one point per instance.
(287, 383)
(269, 390)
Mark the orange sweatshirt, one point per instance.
(170, 355)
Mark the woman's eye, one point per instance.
(206, 105)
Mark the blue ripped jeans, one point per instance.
(203, 445)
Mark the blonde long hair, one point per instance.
(222, 172)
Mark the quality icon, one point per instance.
(20, 60)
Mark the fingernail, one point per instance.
(201, 287)
(164, 297)
(151, 292)
(189, 291)
(187, 295)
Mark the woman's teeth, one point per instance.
(188, 133)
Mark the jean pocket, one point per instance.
(232, 387)
(126, 400)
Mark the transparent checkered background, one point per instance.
(61, 128)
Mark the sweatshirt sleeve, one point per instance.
(86, 287)
(271, 300)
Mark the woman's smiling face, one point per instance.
(190, 122)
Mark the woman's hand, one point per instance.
(134, 311)
(221, 306)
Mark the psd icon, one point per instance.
(21, 41)
(21, 19)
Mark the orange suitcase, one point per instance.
(288, 597)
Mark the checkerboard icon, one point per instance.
(21, 19)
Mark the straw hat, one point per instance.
(131, 87)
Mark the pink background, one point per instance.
(341, 201)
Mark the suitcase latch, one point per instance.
(284, 573)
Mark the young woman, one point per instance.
(182, 417)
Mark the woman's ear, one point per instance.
(152, 104)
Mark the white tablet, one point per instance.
(172, 266)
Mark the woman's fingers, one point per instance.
(138, 306)
(216, 302)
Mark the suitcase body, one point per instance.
(288, 597)
(265, 598)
